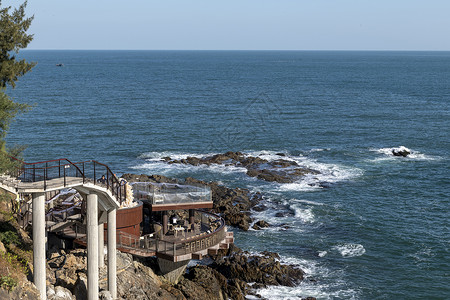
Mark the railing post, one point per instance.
(59, 169)
(45, 178)
(64, 175)
(95, 177)
(34, 173)
(83, 174)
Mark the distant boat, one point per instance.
(60, 65)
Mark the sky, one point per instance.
(239, 24)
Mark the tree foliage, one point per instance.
(13, 37)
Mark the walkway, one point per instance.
(102, 199)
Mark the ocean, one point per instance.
(370, 226)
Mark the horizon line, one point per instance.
(291, 50)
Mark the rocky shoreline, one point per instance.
(232, 274)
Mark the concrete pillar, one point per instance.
(101, 245)
(165, 222)
(92, 246)
(39, 274)
(112, 272)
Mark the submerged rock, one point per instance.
(401, 151)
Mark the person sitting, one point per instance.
(102, 180)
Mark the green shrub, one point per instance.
(7, 282)
(9, 237)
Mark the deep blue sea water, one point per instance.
(371, 226)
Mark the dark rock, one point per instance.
(403, 152)
(232, 204)
(260, 208)
(260, 225)
(146, 178)
(80, 290)
(265, 269)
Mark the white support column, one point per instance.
(92, 246)
(39, 274)
(101, 245)
(112, 272)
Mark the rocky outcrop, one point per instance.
(134, 279)
(264, 269)
(27, 290)
(203, 282)
(280, 170)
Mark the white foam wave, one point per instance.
(306, 289)
(150, 156)
(322, 253)
(319, 289)
(154, 164)
(307, 202)
(329, 173)
(350, 250)
(304, 214)
(414, 155)
(319, 149)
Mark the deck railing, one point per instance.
(152, 243)
(198, 242)
(89, 171)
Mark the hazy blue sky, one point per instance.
(240, 24)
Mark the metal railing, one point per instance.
(201, 241)
(151, 243)
(89, 171)
(169, 193)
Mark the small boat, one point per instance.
(60, 65)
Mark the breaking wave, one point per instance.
(350, 250)
(414, 154)
(315, 284)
